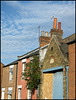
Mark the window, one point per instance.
(23, 68)
(24, 65)
(10, 93)
(19, 91)
(3, 92)
(11, 73)
(29, 94)
(51, 48)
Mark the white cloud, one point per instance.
(20, 32)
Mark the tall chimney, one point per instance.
(42, 33)
(55, 23)
(46, 33)
(59, 25)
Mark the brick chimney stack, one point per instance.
(58, 32)
(44, 40)
(55, 23)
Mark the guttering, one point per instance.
(28, 54)
(73, 41)
(44, 46)
(32, 52)
(13, 63)
(53, 69)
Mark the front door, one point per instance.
(58, 85)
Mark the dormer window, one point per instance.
(11, 72)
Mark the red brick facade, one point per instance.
(1, 73)
(44, 40)
(71, 71)
(20, 81)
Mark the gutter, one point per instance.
(32, 52)
(67, 80)
(16, 80)
(73, 41)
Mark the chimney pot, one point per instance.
(55, 23)
(59, 25)
(42, 33)
(46, 33)
(49, 34)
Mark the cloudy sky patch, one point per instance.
(20, 21)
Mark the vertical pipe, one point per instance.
(16, 80)
(38, 92)
(67, 81)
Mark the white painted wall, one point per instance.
(42, 54)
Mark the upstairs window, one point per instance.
(11, 72)
(23, 65)
(10, 93)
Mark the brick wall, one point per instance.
(1, 74)
(6, 83)
(22, 82)
(43, 40)
(71, 72)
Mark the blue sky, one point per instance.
(20, 21)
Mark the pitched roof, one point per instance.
(69, 38)
(63, 47)
(12, 63)
(31, 53)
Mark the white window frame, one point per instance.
(23, 65)
(10, 72)
(10, 93)
(3, 93)
(29, 94)
(19, 91)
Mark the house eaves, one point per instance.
(12, 63)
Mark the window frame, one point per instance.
(3, 93)
(11, 72)
(10, 92)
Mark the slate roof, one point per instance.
(64, 43)
(70, 38)
(12, 63)
(63, 46)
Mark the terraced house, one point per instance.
(57, 62)
(9, 81)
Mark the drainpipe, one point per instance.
(67, 80)
(38, 92)
(16, 81)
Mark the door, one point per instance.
(58, 85)
(47, 85)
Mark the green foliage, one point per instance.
(32, 73)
